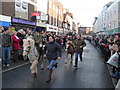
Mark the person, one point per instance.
(21, 36)
(16, 46)
(52, 52)
(38, 42)
(6, 47)
(79, 45)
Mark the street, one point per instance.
(91, 73)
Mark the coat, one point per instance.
(52, 50)
(16, 43)
(78, 43)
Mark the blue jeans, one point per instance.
(51, 64)
(6, 53)
(76, 57)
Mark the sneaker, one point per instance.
(8, 65)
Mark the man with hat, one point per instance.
(38, 39)
(6, 47)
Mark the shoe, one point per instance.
(81, 60)
(8, 65)
(65, 62)
(35, 75)
(55, 65)
(48, 80)
(4, 66)
(75, 65)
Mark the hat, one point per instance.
(6, 28)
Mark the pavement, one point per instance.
(91, 73)
(14, 65)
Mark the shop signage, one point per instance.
(5, 18)
(36, 14)
(23, 21)
(44, 17)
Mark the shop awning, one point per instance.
(5, 24)
(113, 31)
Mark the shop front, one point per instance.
(113, 31)
(5, 21)
(41, 26)
(51, 28)
(22, 24)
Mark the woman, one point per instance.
(16, 45)
(52, 52)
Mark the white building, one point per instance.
(109, 19)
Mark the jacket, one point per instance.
(16, 43)
(6, 40)
(78, 43)
(52, 50)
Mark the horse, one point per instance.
(69, 50)
(30, 51)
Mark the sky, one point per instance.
(85, 10)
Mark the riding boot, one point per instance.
(49, 78)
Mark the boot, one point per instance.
(49, 79)
(55, 65)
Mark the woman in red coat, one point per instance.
(16, 45)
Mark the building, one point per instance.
(67, 21)
(20, 13)
(55, 13)
(52, 11)
(85, 30)
(108, 22)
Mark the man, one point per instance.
(38, 41)
(53, 52)
(79, 45)
(6, 47)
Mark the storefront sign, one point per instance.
(36, 14)
(44, 17)
(5, 18)
(23, 21)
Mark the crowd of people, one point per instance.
(11, 43)
(108, 46)
(12, 46)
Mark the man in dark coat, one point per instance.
(79, 45)
(52, 52)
